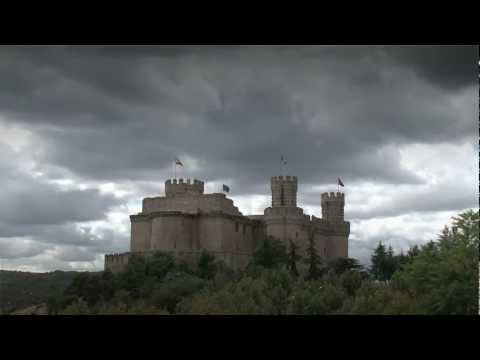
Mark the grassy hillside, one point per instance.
(19, 290)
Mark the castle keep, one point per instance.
(187, 221)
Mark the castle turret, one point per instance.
(180, 187)
(332, 207)
(284, 191)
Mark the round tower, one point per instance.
(284, 191)
(332, 207)
(179, 187)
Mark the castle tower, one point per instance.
(180, 187)
(284, 191)
(332, 207)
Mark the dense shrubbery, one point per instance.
(152, 285)
(438, 278)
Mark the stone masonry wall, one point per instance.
(284, 191)
(186, 221)
(190, 204)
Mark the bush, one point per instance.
(207, 266)
(168, 293)
(78, 307)
(379, 298)
(159, 265)
(315, 298)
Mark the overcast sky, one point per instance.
(87, 132)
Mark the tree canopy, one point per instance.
(439, 277)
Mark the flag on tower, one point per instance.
(178, 162)
(226, 188)
(340, 182)
(283, 160)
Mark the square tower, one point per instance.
(332, 207)
(284, 191)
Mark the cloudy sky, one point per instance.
(87, 132)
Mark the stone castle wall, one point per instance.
(332, 207)
(116, 262)
(180, 187)
(186, 221)
(174, 231)
(189, 203)
(284, 191)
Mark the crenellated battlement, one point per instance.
(188, 221)
(284, 178)
(332, 196)
(332, 206)
(116, 262)
(180, 186)
(284, 191)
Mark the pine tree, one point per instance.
(445, 238)
(401, 259)
(206, 265)
(272, 253)
(292, 258)
(313, 260)
(379, 260)
(391, 264)
(412, 252)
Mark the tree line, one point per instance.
(440, 277)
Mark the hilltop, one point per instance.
(20, 290)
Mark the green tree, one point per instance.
(79, 307)
(466, 227)
(379, 260)
(134, 275)
(401, 259)
(267, 293)
(168, 293)
(413, 251)
(340, 265)
(160, 264)
(92, 288)
(351, 281)
(392, 264)
(313, 260)
(292, 258)
(206, 265)
(316, 298)
(271, 253)
(381, 299)
(444, 279)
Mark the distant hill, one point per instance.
(20, 290)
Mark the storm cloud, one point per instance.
(114, 117)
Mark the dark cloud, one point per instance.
(122, 113)
(449, 66)
(25, 201)
(240, 114)
(51, 206)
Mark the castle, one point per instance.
(187, 221)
